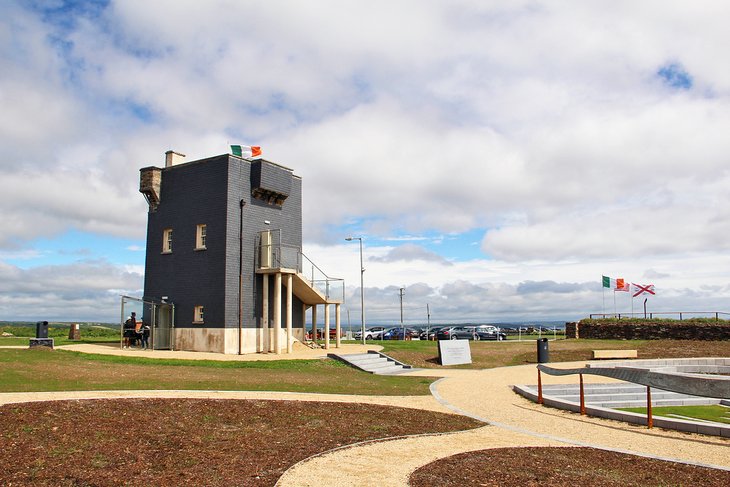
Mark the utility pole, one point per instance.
(428, 320)
(362, 289)
(400, 293)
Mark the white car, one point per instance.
(371, 333)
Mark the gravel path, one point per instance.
(414, 402)
(390, 463)
(299, 352)
(514, 422)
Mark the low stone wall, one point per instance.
(647, 330)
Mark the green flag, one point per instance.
(606, 281)
(236, 150)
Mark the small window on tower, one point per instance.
(199, 314)
(200, 236)
(167, 241)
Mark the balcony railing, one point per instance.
(272, 254)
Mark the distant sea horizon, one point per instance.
(558, 324)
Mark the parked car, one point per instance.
(320, 334)
(488, 332)
(372, 333)
(431, 333)
(480, 332)
(444, 333)
(397, 334)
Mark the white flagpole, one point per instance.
(614, 304)
(631, 297)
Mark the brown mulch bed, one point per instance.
(561, 467)
(191, 441)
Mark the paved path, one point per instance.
(300, 352)
(483, 394)
(414, 402)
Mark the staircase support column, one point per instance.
(337, 325)
(277, 313)
(288, 313)
(265, 336)
(326, 326)
(304, 322)
(314, 323)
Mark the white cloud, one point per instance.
(84, 291)
(493, 290)
(411, 252)
(543, 124)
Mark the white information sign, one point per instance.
(454, 352)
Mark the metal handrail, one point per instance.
(287, 256)
(681, 314)
(692, 384)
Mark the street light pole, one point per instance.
(362, 289)
(400, 292)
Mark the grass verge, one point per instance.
(487, 355)
(26, 370)
(713, 412)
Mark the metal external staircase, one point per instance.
(373, 362)
(310, 284)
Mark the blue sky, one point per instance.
(73, 246)
(495, 174)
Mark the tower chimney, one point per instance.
(172, 158)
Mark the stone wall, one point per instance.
(648, 330)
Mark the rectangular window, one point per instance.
(200, 236)
(199, 314)
(167, 241)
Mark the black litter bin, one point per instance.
(543, 352)
(41, 329)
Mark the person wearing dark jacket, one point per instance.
(129, 332)
(145, 336)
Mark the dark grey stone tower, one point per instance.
(217, 229)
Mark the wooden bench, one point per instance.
(613, 354)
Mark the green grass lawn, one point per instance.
(57, 341)
(488, 354)
(40, 369)
(44, 370)
(59, 332)
(714, 412)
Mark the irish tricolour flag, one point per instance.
(616, 284)
(249, 151)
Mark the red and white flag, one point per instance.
(641, 288)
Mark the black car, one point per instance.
(481, 332)
(431, 333)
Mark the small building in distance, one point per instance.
(224, 249)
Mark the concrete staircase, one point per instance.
(622, 395)
(373, 362)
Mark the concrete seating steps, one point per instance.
(374, 363)
(699, 401)
(617, 392)
(622, 396)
